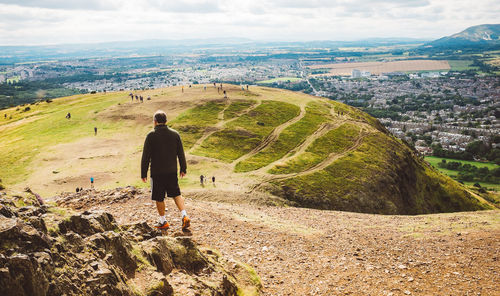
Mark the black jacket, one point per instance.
(162, 148)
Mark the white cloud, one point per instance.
(57, 21)
(65, 4)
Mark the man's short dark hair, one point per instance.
(160, 117)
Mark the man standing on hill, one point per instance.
(163, 146)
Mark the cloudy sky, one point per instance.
(30, 22)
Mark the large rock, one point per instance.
(117, 247)
(16, 234)
(88, 223)
(21, 275)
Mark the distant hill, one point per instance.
(487, 35)
(284, 147)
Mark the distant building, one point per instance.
(430, 75)
(360, 73)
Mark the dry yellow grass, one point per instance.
(382, 67)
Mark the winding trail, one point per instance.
(219, 125)
(322, 165)
(331, 158)
(301, 148)
(272, 137)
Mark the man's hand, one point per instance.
(182, 174)
(144, 180)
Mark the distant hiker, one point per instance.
(221, 86)
(201, 179)
(91, 182)
(68, 116)
(213, 179)
(225, 94)
(149, 98)
(218, 90)
(136, 97)
(81, 189)
(162, 148)
(190, 86)
(77, 189)
(183, 88)
(95, 131)
(205, 88)
(247, 86)
(142, 99)
(5, 116)
(215, 85)
(242, 88)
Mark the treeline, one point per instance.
(476, 149)
(302, 86)
(471, 173)
(26, 92)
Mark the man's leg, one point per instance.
(157, 194)
(160, 206)
(179, 202)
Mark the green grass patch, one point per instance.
(192, 123)
(335, 141)
(461, 65)
(21, 143)
(245, 133)
(237, 107)
(291, 137)
(287, 79)
(434, 161)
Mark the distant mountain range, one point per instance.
(487, 35)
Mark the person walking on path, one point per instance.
(95, 131)
(162, 148)
(202, 178)
(91, 182)
(213, 179)
(225, 94)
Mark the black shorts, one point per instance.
(164, 183)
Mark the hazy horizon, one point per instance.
(52, 22)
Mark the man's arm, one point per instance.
(181, 156)
(146, 157)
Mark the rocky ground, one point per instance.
(299, 251)
(45, 250)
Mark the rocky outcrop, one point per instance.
(45, 253)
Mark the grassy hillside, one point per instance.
(305, 150)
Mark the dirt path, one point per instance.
(219, 125)
(272, 137)
(311, 252)
(332, 157)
